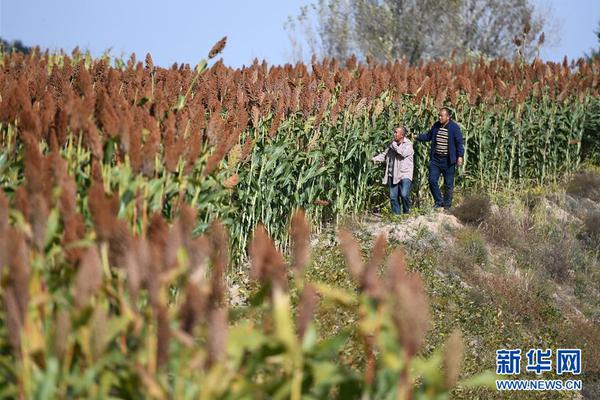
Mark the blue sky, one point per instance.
(184, 31)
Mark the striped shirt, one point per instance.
(442, 142)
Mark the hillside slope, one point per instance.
(520, 271)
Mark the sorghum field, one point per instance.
(133, 194)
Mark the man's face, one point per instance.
(443, 116)
(398, 135)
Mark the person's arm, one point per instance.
(460, 148)
(380, 157)
(405, 149)
(425, 137)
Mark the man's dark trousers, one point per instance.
(440, 165)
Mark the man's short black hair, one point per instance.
(448, 111)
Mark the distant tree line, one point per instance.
(386, 30)
(17, 45)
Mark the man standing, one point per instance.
(398, 169)
(446, 153)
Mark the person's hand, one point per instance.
(459, 161)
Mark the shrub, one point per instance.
(585, 185)
(559, 254)
(591, 226)
(473, 209)
(503, 229)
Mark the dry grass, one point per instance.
(467, 252)
(585, 335)
(557, 252)
(527, 301)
